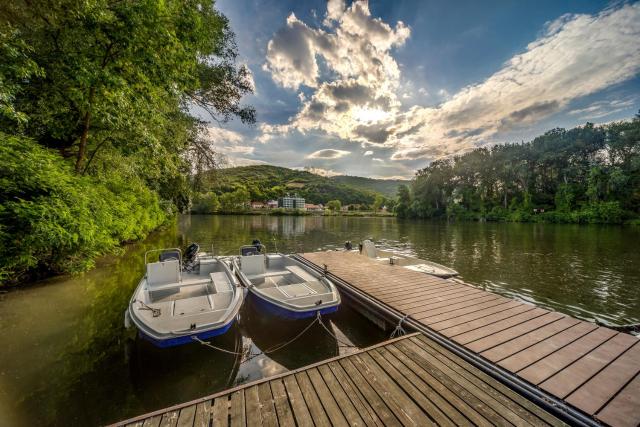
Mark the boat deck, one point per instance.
(592, 368)
(406, 381)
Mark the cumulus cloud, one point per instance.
(356, 49)
(328, 153)
(218, 135)
(577, 55)
(231, 145)
(599, 109)
(359, 100)
(240, 149)
(320, 171)
(241, 161)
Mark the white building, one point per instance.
(289, 202)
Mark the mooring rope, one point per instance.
(399, 330)
(208, 344)
(247, 355)
(344, 344)
(280, 346)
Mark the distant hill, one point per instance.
(269, 182)
(387, 187)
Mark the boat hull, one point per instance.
(285, 313)
(185, 339)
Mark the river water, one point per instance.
(66, 359)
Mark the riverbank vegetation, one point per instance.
(97, 144)
(589, 174)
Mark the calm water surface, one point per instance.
(67, 360)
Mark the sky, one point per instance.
(383, 88)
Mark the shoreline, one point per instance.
(274, 212)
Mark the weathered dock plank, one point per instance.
(410, 381)
(592, 368)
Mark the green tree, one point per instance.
(123, 74)
(235, 201)
(334, 205)
(378, 203)
(16, 66)
(97, 141)
(578, 172)
(564, 198)
(54, 221)
(404, 201)
(205, 203)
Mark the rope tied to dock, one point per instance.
(344, 344)
(248, 355)
(399, 330)
(224, 350)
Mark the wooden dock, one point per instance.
(592, 368)
(409, 381)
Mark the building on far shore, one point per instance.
(289, 202)
(310, 207)
(272, 204)
(258, 205)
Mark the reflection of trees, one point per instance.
(579, 270)
(88, 371)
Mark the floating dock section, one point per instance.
(587, 371)
(411, 381)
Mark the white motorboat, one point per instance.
(284, 286)
(176, 302)
(369, 250)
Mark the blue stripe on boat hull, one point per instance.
(186, 339)
(275, 310)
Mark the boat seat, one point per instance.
(295, 290)
(301, 273)
(252, 265)
(163, 275)
(269, 274)
(221, 282)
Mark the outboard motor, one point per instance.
(190, 258)
(347, 245)
(258, 244)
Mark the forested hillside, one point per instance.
(270, 182)
(588, 174)
(386, 187)
(96, 140)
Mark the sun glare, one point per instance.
(369, 114)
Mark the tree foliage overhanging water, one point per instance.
(96, 139)
(589, 174)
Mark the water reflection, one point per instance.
(65, 358)
(586, 271)
(269, 332)
(157, 373)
